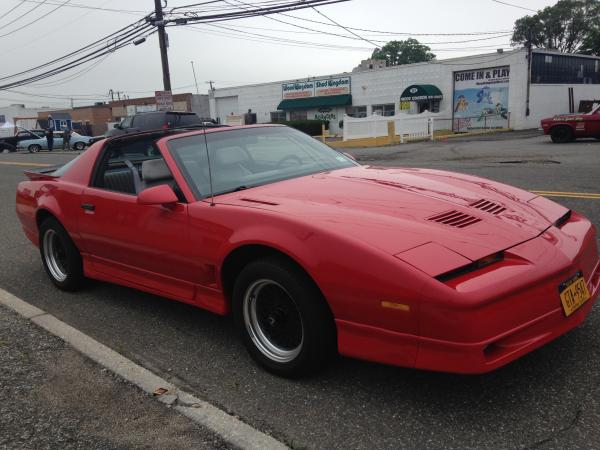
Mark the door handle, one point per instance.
(88, 206)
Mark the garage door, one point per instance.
(225, 106)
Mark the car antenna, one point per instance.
(210, 180)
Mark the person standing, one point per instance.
(50, 133)
(66, 139)
(50, 139)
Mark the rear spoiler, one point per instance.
(42, 174)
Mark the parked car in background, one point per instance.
(154, 120)
(11, 143)
(78, 142)
(568, 127)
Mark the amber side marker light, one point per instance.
(394, 305)
(476, 265)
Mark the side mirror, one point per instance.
(157, 195)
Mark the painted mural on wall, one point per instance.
(481, 98)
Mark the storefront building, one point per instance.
(461, 90)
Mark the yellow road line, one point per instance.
(12, 163)
(585, 195)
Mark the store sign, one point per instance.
(317, 88)
(480, 95)
(298, 90)
(164, 100)
(332, 86)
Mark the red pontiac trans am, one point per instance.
(315, 254)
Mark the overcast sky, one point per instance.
(227, 56)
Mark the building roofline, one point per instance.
(447, 61)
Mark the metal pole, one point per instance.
(529, 35)
(195, 80)
(162, 41)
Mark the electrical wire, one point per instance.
(36, 20)
(27, 12)
(345, 28)
(80, 6)
(12, 9)
(514, 6)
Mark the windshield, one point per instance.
(244, 158)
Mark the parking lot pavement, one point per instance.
(548, 399)
(55, 398)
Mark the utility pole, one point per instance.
(112, 95)
(529, 52)
(162, 40)
(211, 85)
(195, 80)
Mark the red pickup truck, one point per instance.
(567, 127)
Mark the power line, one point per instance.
(42, 36)
(515, 6)
(343, 27)
(395, 33)
(98, 8)
(36, 20)
(12, 9)
(29, 11)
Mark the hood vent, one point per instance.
(488, 206)
(455, 219)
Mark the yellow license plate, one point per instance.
(573, 293)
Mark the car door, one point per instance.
(58, 139)
(144, 245)
(594, 123)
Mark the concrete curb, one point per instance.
(230, 429)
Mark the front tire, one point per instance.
(61, 258)
(561, 135)
(34, 148)
(79, 146)
(283, 319)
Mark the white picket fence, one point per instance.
(407, 126)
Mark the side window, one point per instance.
(131, 167)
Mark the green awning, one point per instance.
(418, 92)
(315, 102)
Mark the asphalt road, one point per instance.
(548, 399)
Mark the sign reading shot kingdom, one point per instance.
(481, 98)
(298, 90)
(316, 88)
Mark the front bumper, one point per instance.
(502, 314)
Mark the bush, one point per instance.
(310, 127)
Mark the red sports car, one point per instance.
(315, 254)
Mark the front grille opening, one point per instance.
(488, 206)
(455, 219)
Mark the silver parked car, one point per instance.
(78, 142)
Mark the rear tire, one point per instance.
(283, 319)
(34, 148)
(561, 135)
(61, 258)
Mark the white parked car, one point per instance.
(78, 142)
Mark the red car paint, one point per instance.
(368, 237)
(582, 125)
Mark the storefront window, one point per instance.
(277, 116)
(384, 110)
(298, 115)
(356, 111)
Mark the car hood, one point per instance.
(396, 209)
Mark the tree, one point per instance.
(396, 53)
(570, 26)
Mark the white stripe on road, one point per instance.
(230, 429)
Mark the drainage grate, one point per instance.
(455, 219)
(488, 206)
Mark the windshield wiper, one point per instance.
(240, 188)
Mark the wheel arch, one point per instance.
(241, 256)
